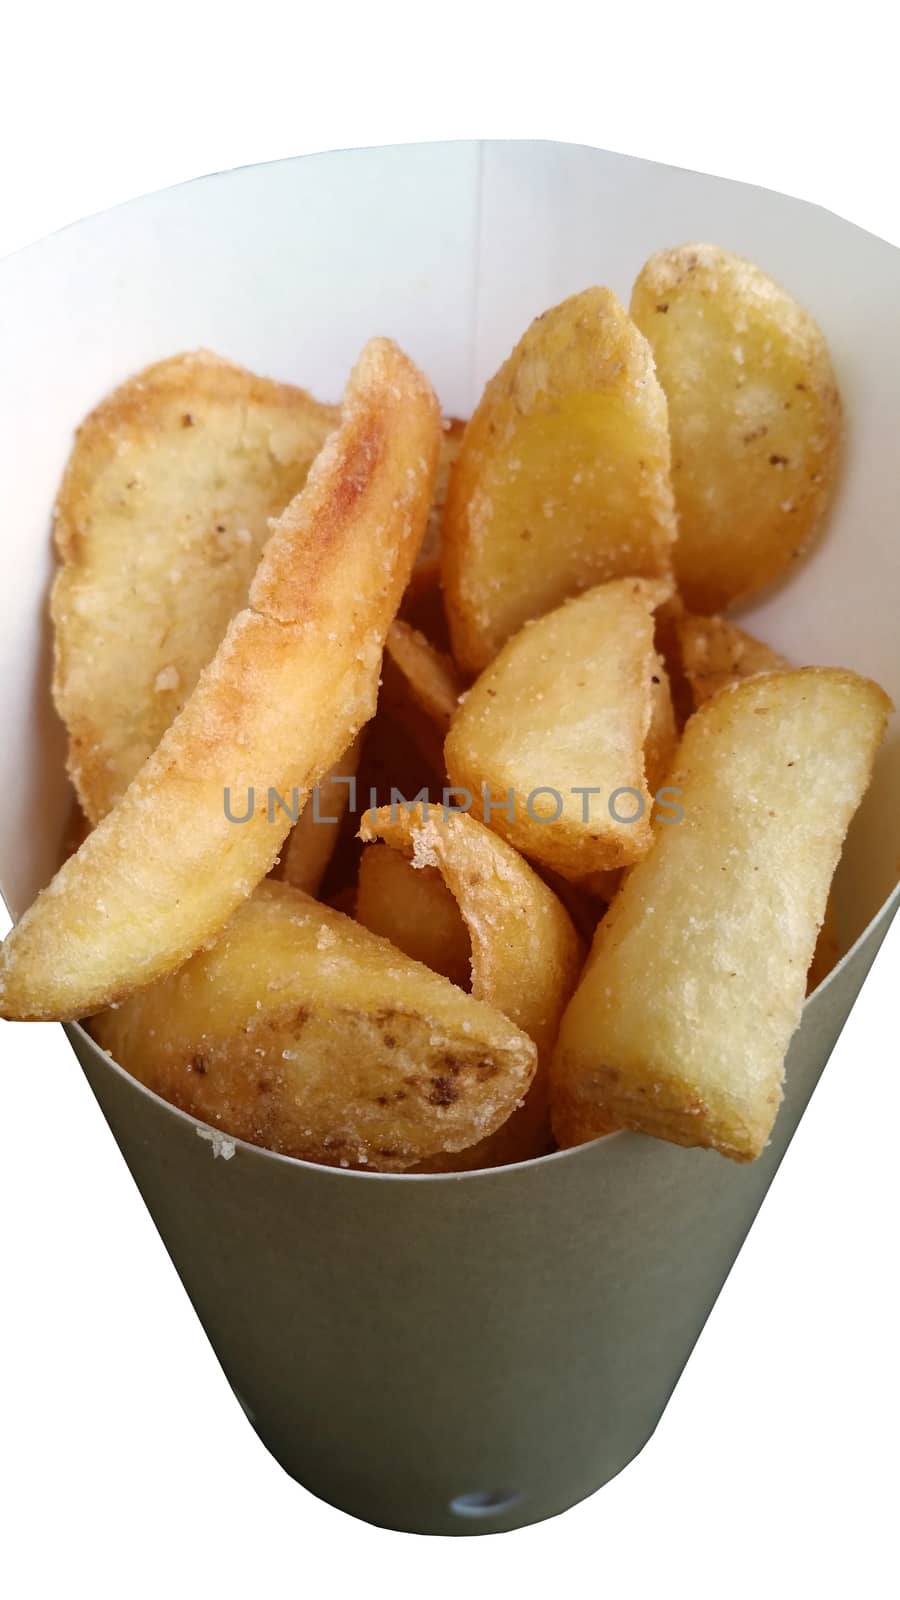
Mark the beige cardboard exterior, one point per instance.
(401, 1342)
(514, 1334)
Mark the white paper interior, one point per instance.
(451, 249)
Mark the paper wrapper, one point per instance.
(440, 1354)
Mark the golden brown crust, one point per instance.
(160, 520)
(292, 682)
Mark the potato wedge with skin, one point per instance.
(566, 707)
(715, 653)
(291, 684)
(420, 689)
(413, 908)
(697, 976)
(430, 677)
(563, 478)
(525, 953)
(754, 415)
(301, 1031)
(309, 846)
(160, 521)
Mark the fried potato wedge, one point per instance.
(659, 749)
(669, 616)
(426, 572)
(715, 653)
(555, 730)
(160, 521)
(301, 1031)
(697, 975)
(662, 733)
(754, 415)
(420, 689)
(309, 846)
(563, 477)
(422, 606)
(291, 684)
(525, 953)
(431, 679)
(412, 907)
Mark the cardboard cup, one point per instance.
(443, 1354)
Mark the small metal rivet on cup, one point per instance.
(485, 1502)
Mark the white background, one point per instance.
(127, 1468)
